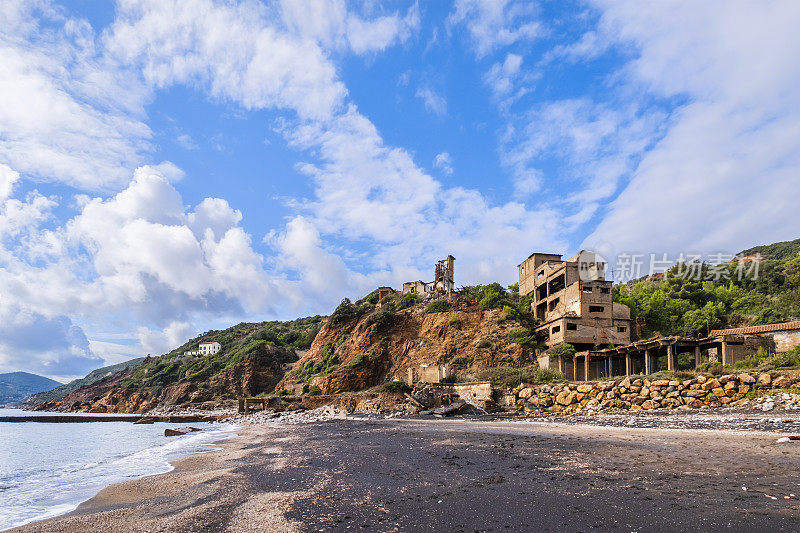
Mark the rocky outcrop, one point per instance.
(761, 391)
(369, 353)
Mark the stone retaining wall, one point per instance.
(638, 393)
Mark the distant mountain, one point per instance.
(16, 386)
(51, 394)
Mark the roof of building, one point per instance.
(206, 343)
(784, 326)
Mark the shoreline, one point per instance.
(157, 457)
(294, 477)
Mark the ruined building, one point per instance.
(443, 281)
(572, 301)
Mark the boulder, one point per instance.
(711, 384)
(585, 387)
(764, 378)
(625, 383)
(746, 378)
(781, 383)
(662, 383)
(526, 393)
(649, 404)
(565, 398)
(744, 388)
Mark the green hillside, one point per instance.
(16, 386)
(238, 344)
(676, 305)
(94, 376)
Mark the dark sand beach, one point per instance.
(461, 475)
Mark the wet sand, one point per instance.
(461, 475)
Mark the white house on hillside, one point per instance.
(205, 348)
(209, 348)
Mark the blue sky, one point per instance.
(171, 167)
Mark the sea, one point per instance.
(49, 469)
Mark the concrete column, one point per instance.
(586, 367)
(647, 369)
(697, 357)
(724, 355)
(670, 357)
(628, 364)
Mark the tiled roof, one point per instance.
(756, 329)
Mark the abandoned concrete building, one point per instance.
(443, 281)
(573, 302)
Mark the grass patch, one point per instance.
(438, 306)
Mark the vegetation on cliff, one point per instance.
(94, 376)
(366, 343)
(679, 304)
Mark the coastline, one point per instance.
(56, 489)
(406, 474)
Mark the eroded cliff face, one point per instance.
(361, 354)
(121, 392)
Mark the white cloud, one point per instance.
(8, 177)
(434, 102)
(501, 76)
(333, 27)
(444, 162)
(492, 24)
(186, 141)
(66, 113)
(599, 145)
(718, 179)
(163, 340)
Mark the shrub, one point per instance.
(408, 300)
(463, 361)
(383, 317)
(357, 361)
(454, 320)
(452, 378)
(504, 376)
(484, 343)
(564, 350)
(313, 390)
(545, 375)
(438, 306)
(784, 360)
(684, 361)
(282, 392)
(396, 386)
(522, 336)
(345, 312)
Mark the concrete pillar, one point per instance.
(670, 357)
(697, 357)
(628, 364)
(647, 362)
(725, 355)
(586, 367)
